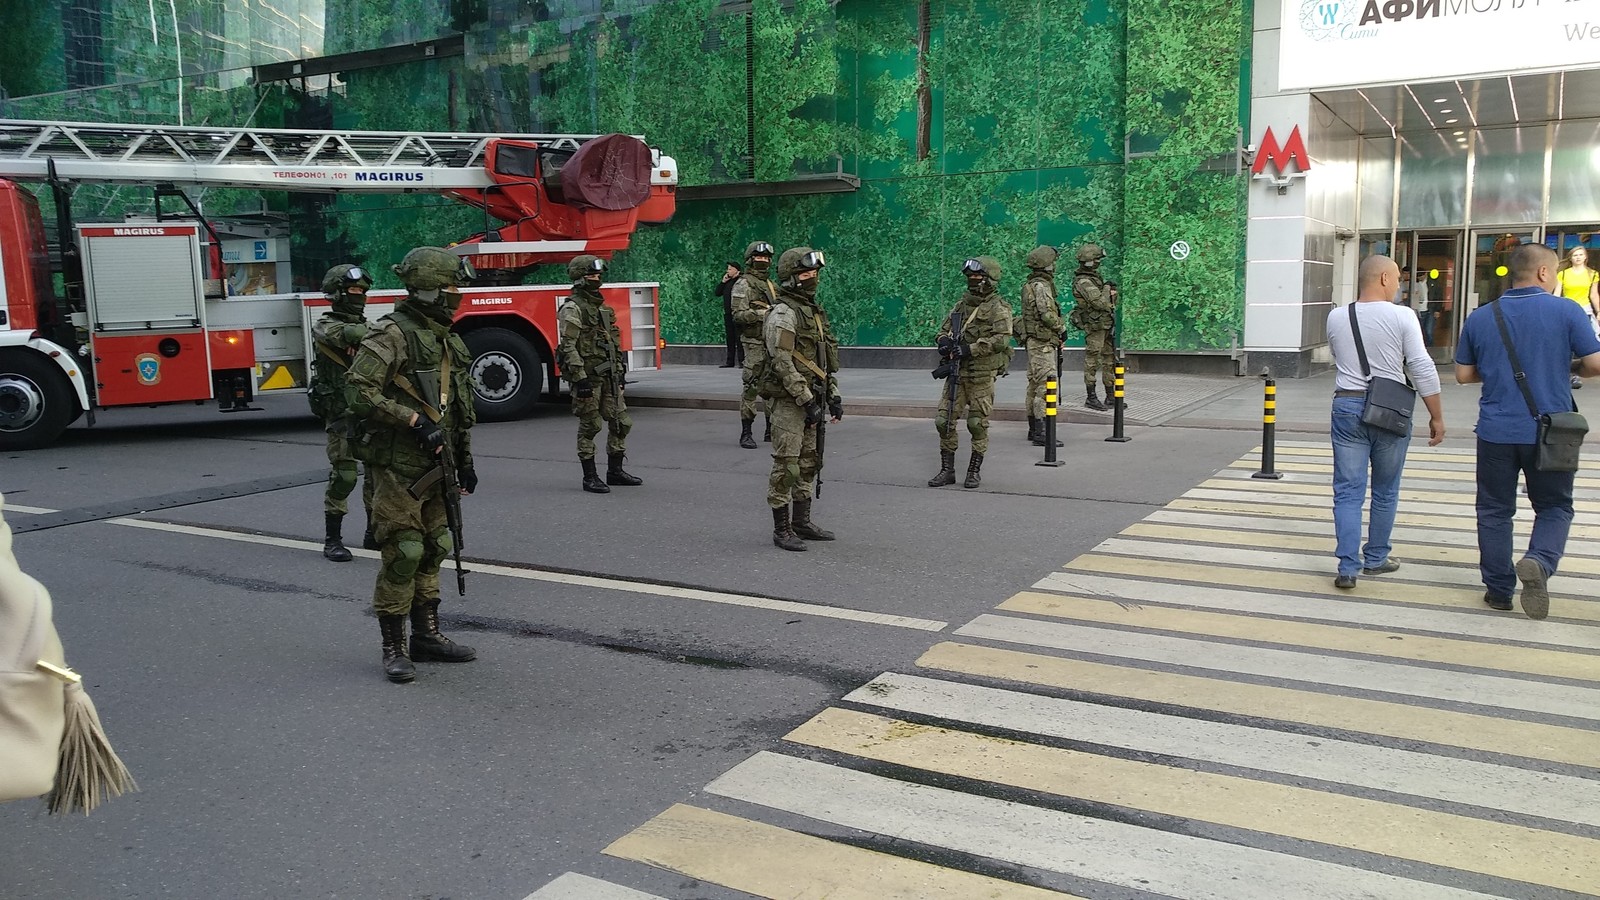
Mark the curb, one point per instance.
(890, 410)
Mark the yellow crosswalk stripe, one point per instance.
(1434, 474)
(1529, 740)
(1515, 852)
(1325, 513)
(1261, 579)
(1475, 654)
(768, 861)
(1415, 453)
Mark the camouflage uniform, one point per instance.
(336, 336)
(1040, 333)
(753, 296)
(801, 388)
(412, 367)
(593, 362)
(1095, 314)
(980, 355)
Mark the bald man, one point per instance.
(1392, 340)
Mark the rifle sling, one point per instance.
(338, 360)
(813, 367)
(433, 413)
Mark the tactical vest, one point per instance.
(1084, 317)
(762, 297)
(811, 345)
(1033, 327)
(419, 379)
(597, 324)
(979, 322)
(329, 367)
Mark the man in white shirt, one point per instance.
(1419, 304)
(1392, 339)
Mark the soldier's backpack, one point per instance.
(1075, 318)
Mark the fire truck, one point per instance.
(145, 316)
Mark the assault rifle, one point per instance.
(444, 475)
(820, 389)
(950, 366)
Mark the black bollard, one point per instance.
(1118, 372)
(1052, 398)
(1269, 424)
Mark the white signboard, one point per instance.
(1345, 43)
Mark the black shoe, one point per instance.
(1496, 602)
(1535, 594)
(973, 467)
(782, 534)
(1345, 582)
(427, 644)
(947, 469)
(615, 475)
(369, 541)
(1389, 565)
(800, 523)
(333, 547)
(746, 439)
(397, 665)
(591, 478)
(766, 436)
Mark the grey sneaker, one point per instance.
(1345, 582)
(1535, 595)
(1389, 565)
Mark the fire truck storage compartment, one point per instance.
(148, 367)
(142, 277)
(643, 353)
(276, 333)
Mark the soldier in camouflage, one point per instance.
(801, 389)
(336, 335)
(593, 362)
(980, 353)
(753, 296)
(409, 388)
(1095, 314)
(1041, 334)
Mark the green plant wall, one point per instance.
(975, 127)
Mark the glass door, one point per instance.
(1491, 254)
(1433, 289)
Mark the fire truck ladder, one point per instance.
(259, 158)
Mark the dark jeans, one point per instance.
(1550, 493)
(731, 331)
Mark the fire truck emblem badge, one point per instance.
(148, 366)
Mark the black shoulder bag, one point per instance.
(1389, 402)
(1561, 433)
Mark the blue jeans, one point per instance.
(1550, 493)
(1425, 319)
(1355, 448)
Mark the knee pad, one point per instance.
(342, 478)
(408, 550)
(975, 425)
(623, 425)
(436, 547)
(791, 473)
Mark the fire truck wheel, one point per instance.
(507, 373)
(36, 401)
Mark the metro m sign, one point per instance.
(1292, 151)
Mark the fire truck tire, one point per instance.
(507, 373)
(36, 401)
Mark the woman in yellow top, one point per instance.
(1578, 283)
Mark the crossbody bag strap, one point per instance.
(1361, 350)
(1516, 365)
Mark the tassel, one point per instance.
(89, 771)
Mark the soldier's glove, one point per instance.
(963, 350)
(945, 369)
(947, 345)
(583, 389)
(836, 407)
(355, 332)
(468, 479)
(815, 411)
(427, 433)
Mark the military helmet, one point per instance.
(432, 268)
(758, 248)
(986, 265)
(582, 266)
(1090, 253)
(1041, 257)
(799, 259)
(341, 277)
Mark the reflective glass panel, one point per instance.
(1433, 180)
(1575, 173)
(1376, 173)
(1508, 175)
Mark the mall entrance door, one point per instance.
(1433, 266)
(1491, 257)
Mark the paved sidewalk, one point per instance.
(1187, 400)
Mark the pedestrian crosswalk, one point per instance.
(1191, 709)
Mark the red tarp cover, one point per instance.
(611, 172)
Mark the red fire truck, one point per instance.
(145, 316)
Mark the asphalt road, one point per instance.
(240, 680)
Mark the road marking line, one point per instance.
(1449, 622)
(769, 861)
(1293, 667)
(1323, 448)
(1518, 853)
(29, 510)
(1113, 853)
(1449, 728)
(1496, 787)
(1584, 502)
(1318, 636)
(612, 584)
(1260, 579)
(573, 886)
(1436, 474)
(1240, 503)
(1451, 537)
(1462, 510)
(1576, 587)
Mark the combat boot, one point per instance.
(973, 480)
(369, 540)
(947, 469)
(333, 544)
(591, 478)
(1111, 398)
(427, 644)
(782, 534)
(746, 439)
(766, 436)
(615, 475)
(1094, 400)
(396, 664)
(802, 525)
(1035, 431)
(1039, 439)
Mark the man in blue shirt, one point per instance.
(1554, 341)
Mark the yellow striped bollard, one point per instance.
(1269, 425)
(1052, 401)
(1119, 371)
